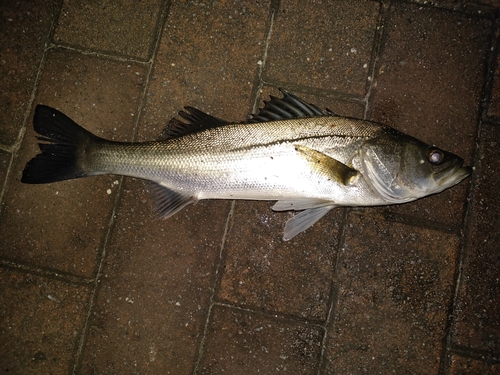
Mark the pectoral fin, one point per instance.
(332, 168)
(304, 220)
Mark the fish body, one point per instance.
(291, 151)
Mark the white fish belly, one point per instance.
(264, 173)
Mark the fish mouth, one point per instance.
(453, 174)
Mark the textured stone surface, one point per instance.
(116, 27)
(494, 105)
(93, 283)
(464, 366)
(395, 285)
(41, 321)
(61, 226)
(5, 159)
(208, 58)
(155, 288)
(477, 322)
(241, 342)
(262, 271)
(333, 45)
(429, 83)
(24, 30)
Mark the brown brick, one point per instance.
(62, 225)
(465, 366)
(429, 82)
(115, 27)
(156, 286)
(24, 31)
(208, 58)
(494, 105)
(395, 285)
(324, 45)
(244, 342)
(264, 272)
(477, 322)
(41, 321)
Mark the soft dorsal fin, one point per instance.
(196, 121)
(288, 107)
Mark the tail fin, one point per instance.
(61, 156)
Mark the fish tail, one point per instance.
(62, 157)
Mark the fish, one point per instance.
(291, 151)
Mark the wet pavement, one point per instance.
(92, 283)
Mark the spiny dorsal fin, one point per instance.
(196, 121)
(288, 107)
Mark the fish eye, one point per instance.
(435, 156)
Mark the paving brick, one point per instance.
(61, 225)
(116, 27)
(330, 50)
(40, 323)
(5, 158)
(264, 272)
(464, 366)
(208, 58)
(494, 105)
(477, 322)
(493, 3)
(395, 284)
(440, 3)
(429, 86)
(241, 342)
(156, 285)
(24, 31)
(390, 308)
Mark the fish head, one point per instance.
(401, 168)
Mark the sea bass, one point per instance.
(307, 159)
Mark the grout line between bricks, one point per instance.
(378, 43)
(82, 339)
(448, 347)
(261, 82)
(479, 355)
(273, 315)
(218, 275)
(14, 149)
(81, 342)
(333, 292)
(45, 272)
(99, 54)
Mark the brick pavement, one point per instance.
(92, 283)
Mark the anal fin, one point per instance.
(168, 202)
(304, 220)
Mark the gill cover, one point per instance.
(381, 160)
